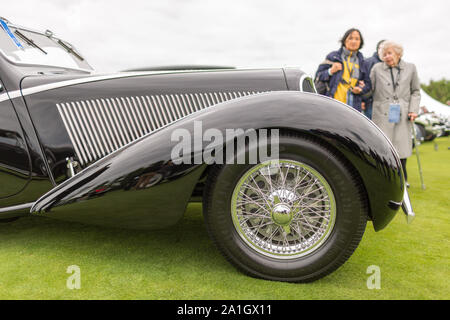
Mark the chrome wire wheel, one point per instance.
(283, 209)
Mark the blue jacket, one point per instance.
(333, 80)
(374, 59)
(370, 62)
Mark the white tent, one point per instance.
(434, 105)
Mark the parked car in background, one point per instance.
(98, 148)
(430, 125)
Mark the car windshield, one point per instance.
(29, 47)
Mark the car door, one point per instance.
(14, 157)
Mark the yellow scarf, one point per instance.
(341, 91)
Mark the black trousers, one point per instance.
(403, 161)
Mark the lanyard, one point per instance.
(395, 83)
(350, 71)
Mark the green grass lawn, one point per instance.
(182, 263)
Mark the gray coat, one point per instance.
(408, 93)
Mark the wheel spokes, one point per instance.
(283, 208)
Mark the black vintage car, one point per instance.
(99, 148)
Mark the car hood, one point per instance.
(62, 79)
(48, 81)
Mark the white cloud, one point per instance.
(116, 35)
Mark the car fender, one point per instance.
(139, 185)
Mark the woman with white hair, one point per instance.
(396, 98)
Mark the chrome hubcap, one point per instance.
(283, 209)
(282, 216)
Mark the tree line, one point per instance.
(439, 90)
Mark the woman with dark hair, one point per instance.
(345, 71)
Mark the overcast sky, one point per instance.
(119, 34)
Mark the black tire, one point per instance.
(430, 137)
(420, 132)
(350, 214)
(427, 135)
